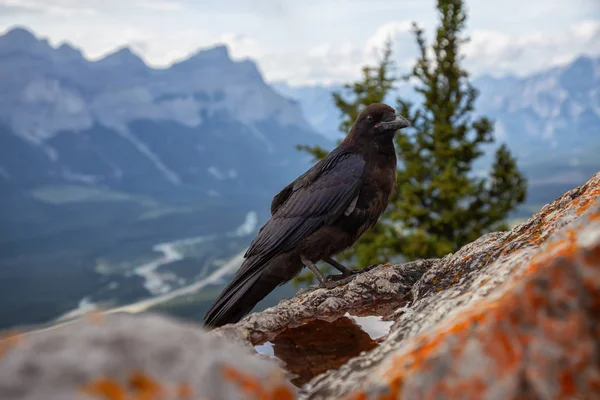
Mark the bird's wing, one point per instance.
(318, 197)
(303, 180)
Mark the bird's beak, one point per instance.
(398, 122)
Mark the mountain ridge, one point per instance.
(53, 97)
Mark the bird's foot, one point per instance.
(370, 267)
(332, 281)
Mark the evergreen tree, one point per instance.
(440, 205)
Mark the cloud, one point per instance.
(161, 5)
(488, 52)
(183, 43)
(10, 9)
(55, 7)
(334, 50)
(400, 33)
(323, 63)
(241, 46)
(159, 50)
(327, 63)
(498, 53)
(270, 8)
(69, 8)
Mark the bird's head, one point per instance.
(378, 121)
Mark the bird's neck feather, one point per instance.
(381, 146)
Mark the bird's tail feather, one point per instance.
(240, 297)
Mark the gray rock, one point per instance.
(121, 356)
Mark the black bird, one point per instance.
(321, 213)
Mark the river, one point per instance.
(173, 251)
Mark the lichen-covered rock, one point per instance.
(125, 357)
(512, 315)
(377, 292)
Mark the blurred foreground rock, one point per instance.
(512, 315)
(126, 357)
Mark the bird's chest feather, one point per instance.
(380, 182)
(373, 197)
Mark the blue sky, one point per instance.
(313, 41)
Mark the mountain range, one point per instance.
(72, 115)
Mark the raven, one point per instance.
(323, 212)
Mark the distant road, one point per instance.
(143, 305)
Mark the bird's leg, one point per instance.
(310, 265)
(339, 266)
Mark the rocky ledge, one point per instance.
(512, 315)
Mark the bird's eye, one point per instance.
(369, 118)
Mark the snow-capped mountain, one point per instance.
(555, 111)
(204, 121)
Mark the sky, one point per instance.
(313, 41)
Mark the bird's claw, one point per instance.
(330, 284)
(338, 277)
(332, 281)
(370, 267)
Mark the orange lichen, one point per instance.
(255, 387)
(456, 278)
(9, 340)
(247, 383)
(139, 386)
(594, 216)
(567, 384)
(584, 202)
(145, 386)
(358, 396)
(281, 393)
(501, 349)
(106, 388)
(184, 391)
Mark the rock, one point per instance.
(123, 357)
(379, 291)
(512, 315)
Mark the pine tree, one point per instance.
(440, 205)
